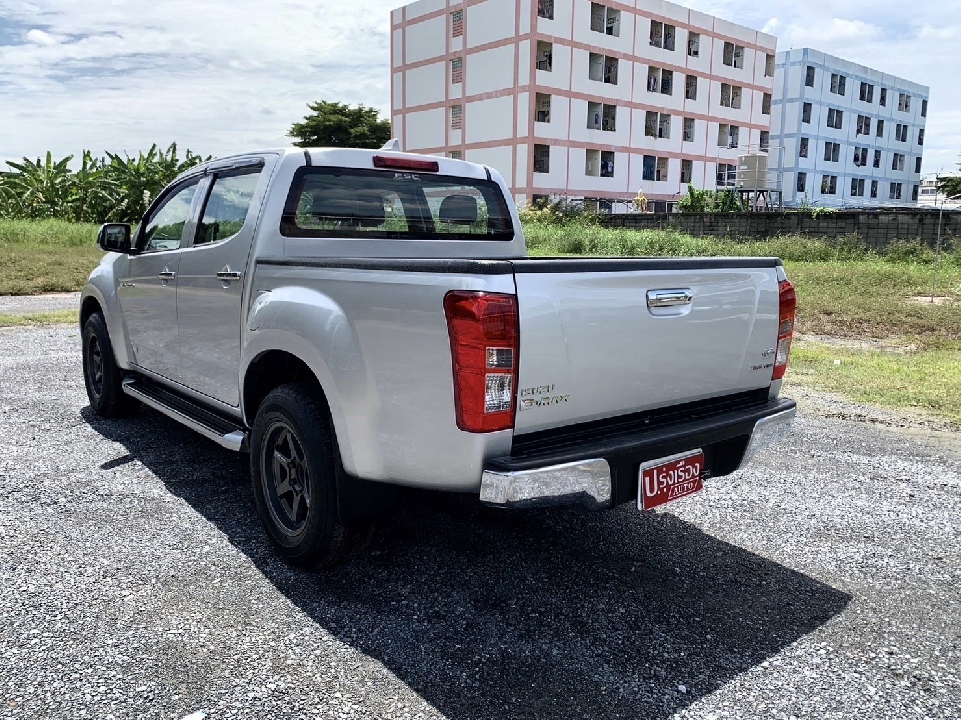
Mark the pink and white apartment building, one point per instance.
(581, 99)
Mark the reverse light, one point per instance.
(787, 302)
(399, 163)
(483, 329)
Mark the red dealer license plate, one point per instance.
(670, 478)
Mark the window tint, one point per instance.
(166, 224)
(331, 202)
(227, 206)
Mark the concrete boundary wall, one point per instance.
(876, 229)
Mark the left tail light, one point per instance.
(787, 302)
(484, 331)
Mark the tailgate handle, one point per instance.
(669, 298)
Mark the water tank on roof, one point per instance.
(752, 171)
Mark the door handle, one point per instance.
(228, 275)
(166, 274)
(669, 298)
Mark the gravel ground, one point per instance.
(22, 304)
(135, 581)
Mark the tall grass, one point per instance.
(47, 233)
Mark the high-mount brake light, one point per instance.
(483, 329)
(787, 303)
(399, 163)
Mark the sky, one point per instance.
(224, 76)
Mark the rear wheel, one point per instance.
(293, 465)
(101, 375)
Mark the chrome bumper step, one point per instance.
(211, 425)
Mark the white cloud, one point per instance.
(229, 75)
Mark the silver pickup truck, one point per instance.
(357, 320)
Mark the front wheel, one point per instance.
(101, 375)
(293, 469)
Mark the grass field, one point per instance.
(844, 292)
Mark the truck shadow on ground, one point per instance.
(555, 613)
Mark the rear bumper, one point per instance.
(600, 469)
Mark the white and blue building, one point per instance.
(845, 135)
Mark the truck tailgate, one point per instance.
(607, 337)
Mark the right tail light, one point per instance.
(787, 302)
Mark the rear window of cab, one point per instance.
(329, 202)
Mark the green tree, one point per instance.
(950, 185)
(39, 189)
(333, 124)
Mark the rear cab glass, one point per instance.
(327, 202)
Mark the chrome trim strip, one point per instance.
(235, 440)
(586, 481)
(768, 431)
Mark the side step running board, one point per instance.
(222, 431)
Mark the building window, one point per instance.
(867, 92)
(897, 162)
(857, 187)
(726, 175)
(601, 117)
(829, 184)
(659, 80)
(809, 76)
(806, 113)
(592, 163)
(687, 171)
(921, 136)
(690, 87)
(880, 131)
(545, 9)
(904, 102)
(545, 56)
(877, 158)
(454, 154)
(802, 182)
(605, 20)
(607, 163)
(457, 70)
(765, 140)
(917, 165)
(901, 133)
(730, 96)
(803, 148)
(694, 44)
(657, 126)
(835, 119)
(649, 167)
(733, 55)
(914, 193)
(662, 35)
(864, 125)
(832, 151)
(727, 136)
(766, 104)
(768, 65)
(456, 117)
(688, 129)
(542, 108)
(457, 23)
(664, 127)
(837, 83)
(542, 158)
(602, 68)
(883, 99)
(924, 108)
(874, 188)
(860, 156)
(661, 170)
(894, 191)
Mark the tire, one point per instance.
(101, 376)
(293, 468)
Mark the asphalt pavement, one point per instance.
(136, 582)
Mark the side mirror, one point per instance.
(114, 237)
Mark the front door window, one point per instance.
(165, 228)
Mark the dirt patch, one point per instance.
(936, 300)
(889, 345)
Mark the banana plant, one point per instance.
(41, 189)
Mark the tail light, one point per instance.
(785, 328)
(483, 331)
(395, 163)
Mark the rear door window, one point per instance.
(227, 206)
(345, 203)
